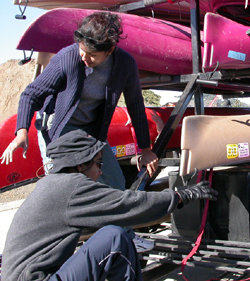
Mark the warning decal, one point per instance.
(232, 151)
(243, 149)
(240, 150)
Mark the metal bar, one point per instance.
(196, 53)
(207, 82)
(164, 246)
(168, 244)
(211, 266)
(157, 79)
(163, 162)
(195, 35)
(222, 74)
(139, 5)
(199, 101)
(201, 264)
(165, 253)
(168, 130)
(189, 240)
(206, 241)
(195, 258)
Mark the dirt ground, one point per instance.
(18, 193)
(13, 80)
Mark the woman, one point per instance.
(81, 87)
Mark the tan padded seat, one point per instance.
(210, 141)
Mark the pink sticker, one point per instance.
(130, 149)
(243, 150)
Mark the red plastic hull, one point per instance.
(120, 137)
(20, 169)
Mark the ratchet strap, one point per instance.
(203, 223)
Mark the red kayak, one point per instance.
(121, 138)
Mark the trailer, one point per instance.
(211, 235)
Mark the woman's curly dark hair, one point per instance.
(99, 31)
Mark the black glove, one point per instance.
(202, 190)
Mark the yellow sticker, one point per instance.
(121, 150)
(232, 151)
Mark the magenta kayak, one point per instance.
(227, 46)
(158, 46)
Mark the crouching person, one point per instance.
(45, 230)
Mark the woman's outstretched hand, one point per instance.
(21, 140)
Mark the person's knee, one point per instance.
(116, 236)
(115, 230)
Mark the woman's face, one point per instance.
(93, 58)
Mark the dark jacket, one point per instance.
(62, 81)
(46, 228)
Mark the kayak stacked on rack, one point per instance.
(157, 46)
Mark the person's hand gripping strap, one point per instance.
(202, 190)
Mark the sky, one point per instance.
(12, 29)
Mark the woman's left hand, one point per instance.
(149, 160)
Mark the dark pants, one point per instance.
(109, 253)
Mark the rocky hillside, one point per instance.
(13, 80)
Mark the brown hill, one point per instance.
(13, 80)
